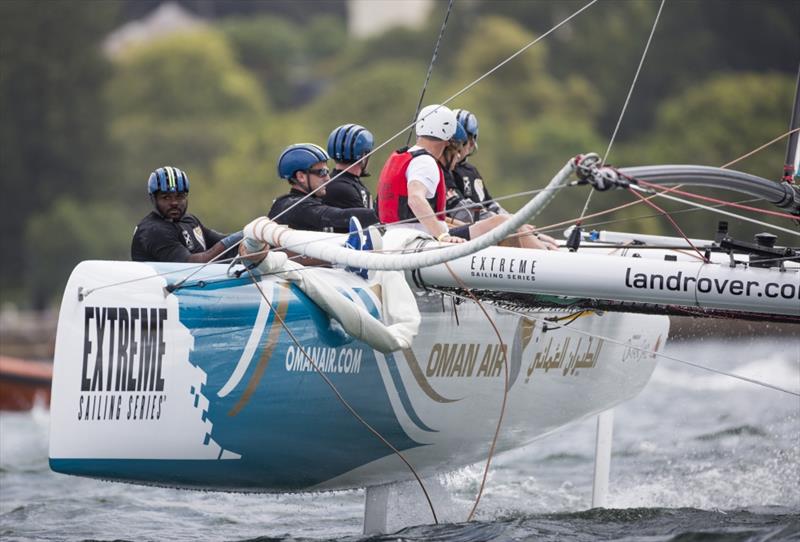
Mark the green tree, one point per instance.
(181, 100)
(69, 231)
(693, 39)
(380, 97)
(530, 123)
(721, 119)
(53, 136)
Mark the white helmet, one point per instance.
(436, 121)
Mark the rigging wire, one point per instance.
(726, 213)
(627, 100)
(445, 102)
(659, 354)
(719, 201)
(672, 221)
(339, 396)
(430, 70)
(762, 147)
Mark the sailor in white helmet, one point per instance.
(412, 191)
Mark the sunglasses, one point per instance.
(321, 172)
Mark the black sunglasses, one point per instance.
(321, 172)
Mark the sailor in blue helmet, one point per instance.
(466, 176)
(468, 198)
(169, 233)
(348, 145)
(304, 165)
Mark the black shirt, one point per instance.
(468, 180)
(312, 214)
(346, 191)
(157, 239)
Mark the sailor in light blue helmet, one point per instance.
(466, 176)
(349, 145)
(170, 233)
(304, 165)
(468, 199)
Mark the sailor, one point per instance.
(466, 176)
(169, 233)
(412, 188)
(304, 165)
(459, 210)
(348, 145)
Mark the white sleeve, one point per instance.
(423, 168)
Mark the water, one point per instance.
(697, 456)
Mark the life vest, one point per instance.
(393, 189)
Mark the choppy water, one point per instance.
(697, 456)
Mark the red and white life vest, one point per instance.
(393, 189)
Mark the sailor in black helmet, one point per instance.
(347, 146)
(169, 233)
(304, 165)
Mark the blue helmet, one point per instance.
(349, 143)
(299, 157)
(167, 179)
(468, 120)
(461, 135)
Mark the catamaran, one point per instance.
(263, 375)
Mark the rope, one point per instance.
(659, 354)
(627, 100)
(726, 213)
(430, 69)
(671, 220)
(339, 396)
(721, 202)
(762, 147)
(505, 391)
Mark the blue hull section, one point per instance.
(280, 426)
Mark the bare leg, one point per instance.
(522, 241)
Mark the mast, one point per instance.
(792, 163)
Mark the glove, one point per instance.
(232, 239)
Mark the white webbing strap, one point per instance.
(263, 230)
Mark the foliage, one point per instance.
(79, 136)
(69, 231)
(722, 118)
(281, 54)
(54, 123)
(201, 100)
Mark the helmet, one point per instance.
(436, 121)
(461, 135)
(167, 179)
(468, 120)
(349, 143)
(299, 157)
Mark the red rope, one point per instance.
(672, 221)
(719, 201)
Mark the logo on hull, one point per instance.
(121, 374)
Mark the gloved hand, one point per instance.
(232, 239)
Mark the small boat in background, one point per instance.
(24, 383)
